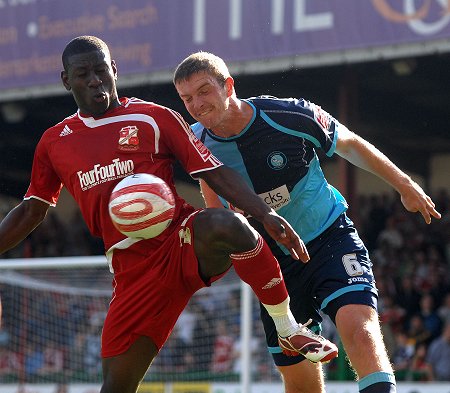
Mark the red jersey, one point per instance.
(89, 156)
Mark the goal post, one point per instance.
(53, 313)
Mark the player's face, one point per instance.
(205, 99)
(92, 78)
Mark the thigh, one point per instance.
(123, 373)
(304, 377)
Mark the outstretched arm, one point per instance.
(230, 185)
(20, 222)
(364, 155)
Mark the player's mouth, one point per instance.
(100, 97)
(204, 113)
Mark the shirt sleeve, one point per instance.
(324, 127)
(45, 184)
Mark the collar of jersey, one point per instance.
(231, 138)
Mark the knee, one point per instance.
(226, 227)
(359, 326)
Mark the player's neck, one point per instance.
(239, 114)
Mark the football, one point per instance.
(141, 206)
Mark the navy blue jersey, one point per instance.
(276, 154)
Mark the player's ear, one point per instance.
(229, 85)
(65, 78)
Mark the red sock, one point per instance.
(260, 269)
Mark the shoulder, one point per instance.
(63, 128)
(152, 108)
(270, 103)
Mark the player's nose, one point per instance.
(94, 80)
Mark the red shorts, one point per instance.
(150, 295)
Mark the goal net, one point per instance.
(53, 313)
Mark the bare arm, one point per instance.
(20, 222)
(364, 155)
(209, 196)
(230, 185)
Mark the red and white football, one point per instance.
(141, 206)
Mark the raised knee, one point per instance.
(229, 227)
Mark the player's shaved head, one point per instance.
(202, 61)
(83, 44)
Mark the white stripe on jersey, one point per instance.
(93, 123)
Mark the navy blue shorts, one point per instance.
(338, 273)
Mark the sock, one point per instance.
(378, 382)
(283, 319)
(260, 269)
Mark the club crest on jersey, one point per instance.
(128, 138)
(277, 160)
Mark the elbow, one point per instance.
(34, 210)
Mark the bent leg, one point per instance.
(217, 234)
(222, 237)
(303, 377)
(360, 331)
(123, 373)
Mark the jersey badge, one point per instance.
(277, 160)
(128, 138)
(185, 236)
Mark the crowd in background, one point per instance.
(411, 263)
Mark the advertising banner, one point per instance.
(154, 35)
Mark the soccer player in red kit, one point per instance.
(110, 138)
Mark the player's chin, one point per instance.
(99, 107)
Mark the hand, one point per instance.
(281, 231)
(415, 200)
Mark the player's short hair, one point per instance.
(83, 44)
(202, 61)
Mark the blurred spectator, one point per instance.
(203, 336)
(420, 369)
(222, 359)
(417, 332)
(444, 310)
(392, 314)
(407, 296)
(186, 324)
(431, 320)
(376, 219)
(33, 362)
(10, 363)
(403, 353)
(391, 234)
(53, 361)
(438, 355)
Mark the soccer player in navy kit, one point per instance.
(272, 142)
